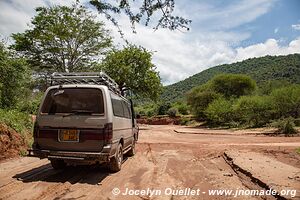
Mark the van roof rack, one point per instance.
(95, 78)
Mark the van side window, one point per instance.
(120, 107)
(126, 109)
(117, 107)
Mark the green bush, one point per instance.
(31, 105)
(287, 101)
(19, 121)
(200, 100)
(298, 150)
(233, 85)
(184, 120)
(220, 112)
(182, 107)
(172, 112)
(285, 126)
(163, 108)
(150, 113)
(266, 88)
(254, 111)
(149, 109)
(14, 78)
(229, 86)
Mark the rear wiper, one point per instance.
(76, 112)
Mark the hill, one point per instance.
(260, 69)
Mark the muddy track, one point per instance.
(164, 159)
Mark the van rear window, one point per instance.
(74, 100)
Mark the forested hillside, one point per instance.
(260, 69)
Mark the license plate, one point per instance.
(69, 135)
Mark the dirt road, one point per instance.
(165, 161)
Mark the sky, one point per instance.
(222, 31)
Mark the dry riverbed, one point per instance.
(172, 162)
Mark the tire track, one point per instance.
(62, 188)
(7, 175)
(32, 173)
(20, 184)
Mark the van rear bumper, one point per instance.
(69, 155)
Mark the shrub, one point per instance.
(233, 85)
(298, 150)
(268, 87)
(287, 101)
(172, 112)
(254, 111)
(30, 105)
(149, 109)
(14, 78)
(285, 126)
(199, 101)
(163, 108)
(20, 122)
(150, 113)
(220, 111)
(184, 120)
(181, 107)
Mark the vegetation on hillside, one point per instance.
(262, 70)
(222, 106)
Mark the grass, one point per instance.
(20, 122)
(298, 150)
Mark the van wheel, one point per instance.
(116, 161)
(58, 164)
(131, 152)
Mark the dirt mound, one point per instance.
(11, 143)
(159, 121)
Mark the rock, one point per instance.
(228, 174)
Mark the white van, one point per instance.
(83, 119)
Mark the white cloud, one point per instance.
(276, 30)
(296, 27)
(228, 16)
(179, 55)
(16, 14)
(270, 47)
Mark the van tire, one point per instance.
(131, 152)
(58, 164)
(116, 161)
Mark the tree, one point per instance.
(62, 39)
(265, 88)
(220, 111)
(254, 111)
(199, 99)
(14, 78)
(132, 69)
(223, 85)
(287, 101)
(146, 10)
(163, 108)
(233, 85)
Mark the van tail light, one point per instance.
(35, 130)
(108, 132)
